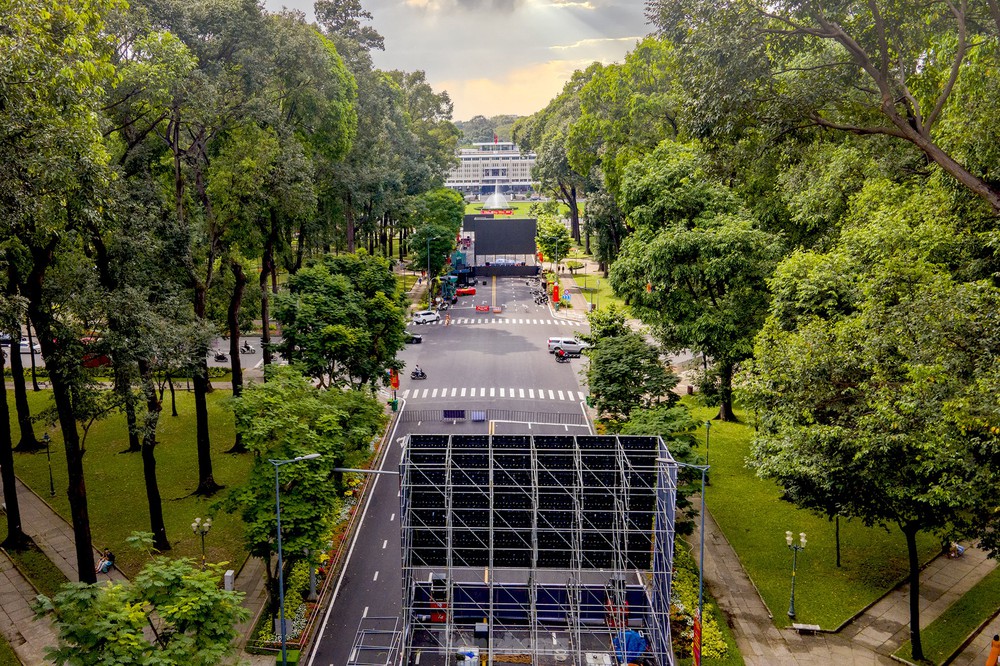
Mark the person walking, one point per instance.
(994, 655)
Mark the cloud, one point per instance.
(588, 43)
(438, 6)
(520, 91)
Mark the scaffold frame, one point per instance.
(536, 549)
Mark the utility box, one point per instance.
(229, 580)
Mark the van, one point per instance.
(571, 345)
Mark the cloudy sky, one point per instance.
(499, 56)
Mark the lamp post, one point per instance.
(281, 574)
(795, 548)
(48, 459)
(708, 430)
(201, 528)
(430, 287)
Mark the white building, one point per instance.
(488, 165)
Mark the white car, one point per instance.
(570, 345)
(25, 349)
(426, 317)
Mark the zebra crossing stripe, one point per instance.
(560, 395)
(501, 394)
(453, 392)
(552, 396)
(492, 390)
(520, 393)
(463, 392)
(531, 394)
(434, 393)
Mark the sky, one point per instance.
(498, 56)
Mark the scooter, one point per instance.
(247, 348)
(220, 357)
(418, 374)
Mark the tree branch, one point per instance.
(956, 63)
(854, 129)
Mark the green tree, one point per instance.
(192, 619)
(870, 69)
(626, 373)
(873, 380)
(287, 417)
(696, 268)
(343, 320)
(553, 239)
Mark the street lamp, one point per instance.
(48, 459)
(281, 574)
(201, 528)
(795, 548)
(708, 429)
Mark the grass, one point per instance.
(7, 656)
(116, 491)
(754, 519)
(597, 289)
(942, 637)
(36, 567)
(523, 208)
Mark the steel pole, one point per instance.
(281, 573)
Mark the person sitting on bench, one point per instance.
(106, 562)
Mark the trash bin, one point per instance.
(394, 404)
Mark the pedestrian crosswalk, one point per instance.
(513, 321)
(492, 392)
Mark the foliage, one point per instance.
(343, 320)
(281, 419)
(625, 373)
(684, 609)
(607, 322)
(875, 389)
(553, 239)
(193, 619)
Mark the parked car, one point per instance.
(414, 338)
(426, 317)
(571, 345)
(26, 349)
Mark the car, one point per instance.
(26, 349)
(413, 338)
(466, 291)
(571, 345)
(426, 317)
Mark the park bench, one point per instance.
(806, 628)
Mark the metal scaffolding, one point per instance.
(545, 549)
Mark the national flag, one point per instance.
(496, 139)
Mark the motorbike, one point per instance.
(247, 348)
(220, 357)
(418, 374)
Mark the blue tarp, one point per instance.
(629, 644)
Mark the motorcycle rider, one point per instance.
(417, 371)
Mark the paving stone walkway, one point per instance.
(27, 636)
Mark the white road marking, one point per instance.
(405, 393)
(425, 393)
(375, 578)
(434, 393)
(501, 394)
(365, 613)
(520, 393)
(392, 518)
(463, 392)
(482, 392)
(493, 391)
(531, 394)
(582, 396)
(552, 396)
(453, 392)
(560, 395)
(385, 543)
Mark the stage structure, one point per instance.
(544, 549)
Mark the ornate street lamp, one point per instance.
(201, 528)
(795, 548)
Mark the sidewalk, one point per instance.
(27, 636)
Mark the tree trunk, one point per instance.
(124, 386)
(153, 407)
(300, 248)
(726, 394)
(206, 481)
(27, 441)
(836, 533)
(267, 260)
(61, 377)
(574, 214)
(910, 532)
(16, 539)
(349, 217)
(34, 366)
(233, 320)
(173, 396)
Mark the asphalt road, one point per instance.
(477, 350)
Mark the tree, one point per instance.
(696, 268)
(430, 246)
(626, 373)
(553, 239)
(192, 619)
(16, 538)
(343, 320)
(605, 220)
(287, 417)
(873, 377)
(870, 69)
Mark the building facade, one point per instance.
(488, 166)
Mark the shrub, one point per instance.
(684, 607)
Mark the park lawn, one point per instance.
(36, 566)
(522, 209)
(116, 491)
(754, 519)
(406, 281)
(942, 637)
(597, 289)
(7, 656)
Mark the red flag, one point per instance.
(696, 643)
(496, 139)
